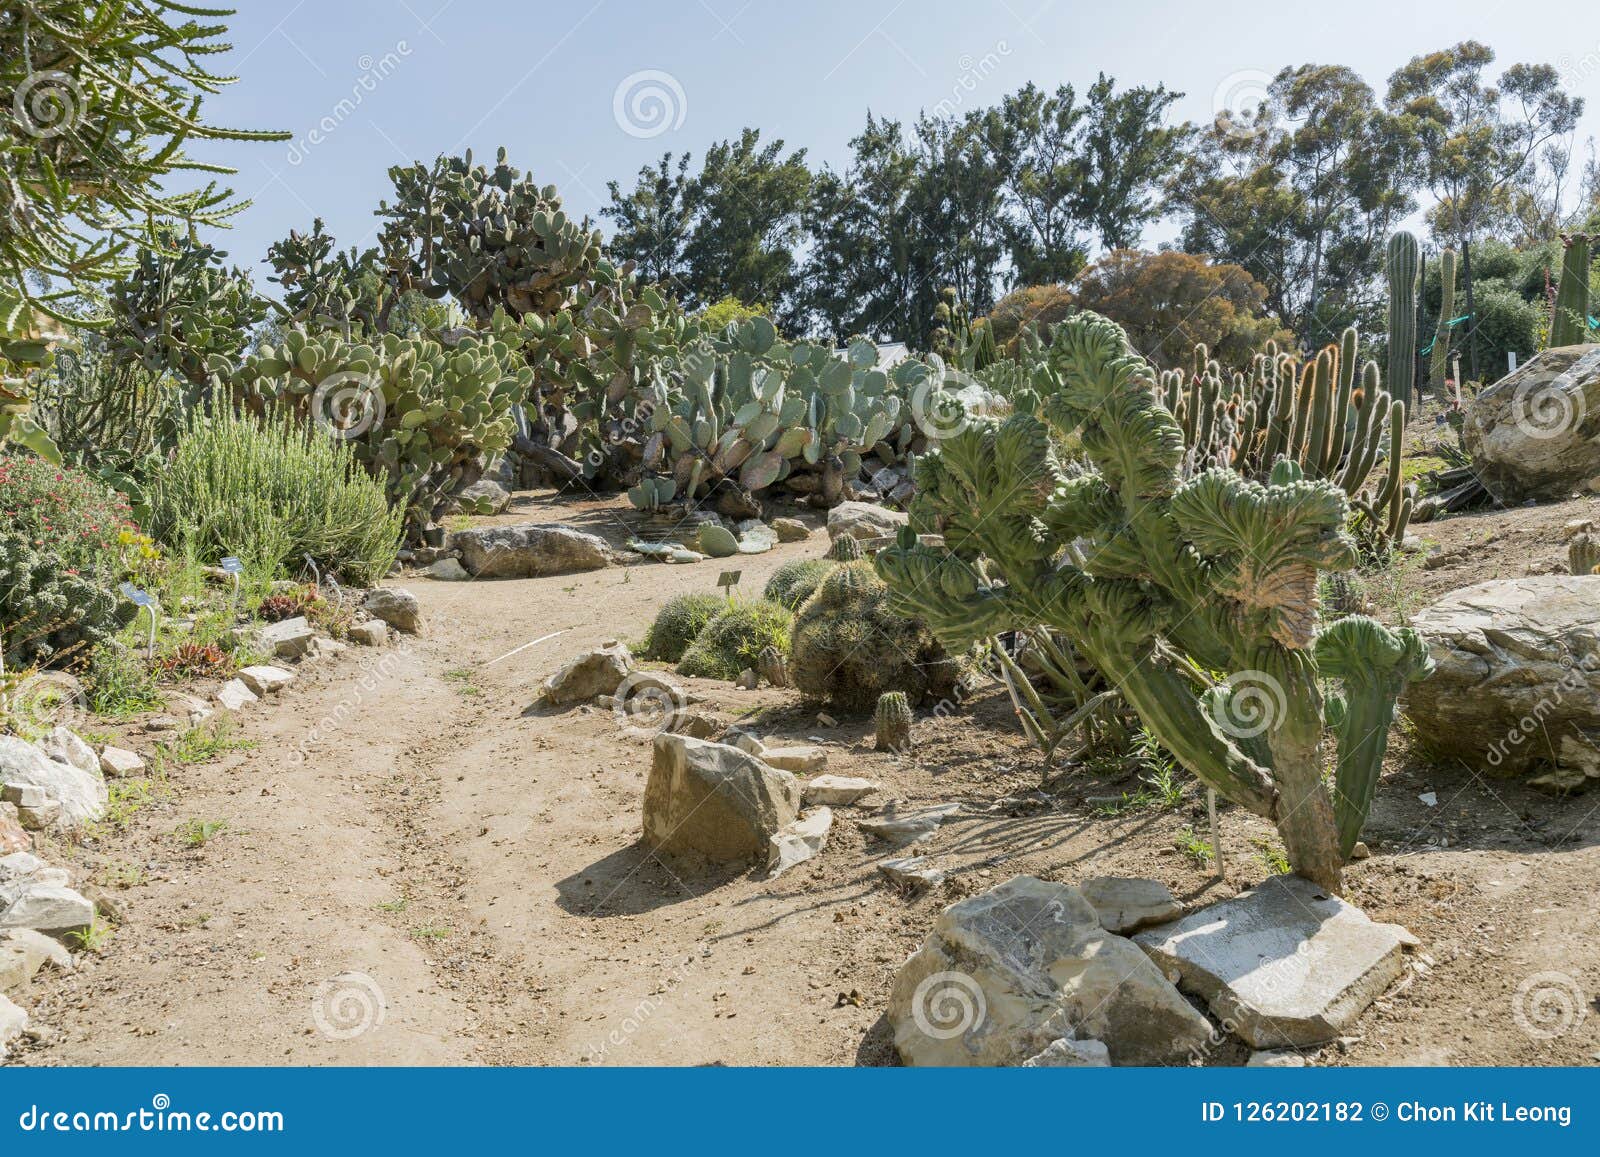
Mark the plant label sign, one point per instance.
(729, 579)
(233, 566)
(136, 596)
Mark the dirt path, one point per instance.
(403, 816)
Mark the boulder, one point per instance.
(448, 570)
(1007, 973)
(396, 606)
(81, 794)
(64, 746)
(23, 952)
(265, 681)
(371, 633)
(233, 695)
(756, 537)
(835, 790)
(790, 530)
(798, 841)
(863, 520)
(288, 639)
(1285, 964)
(597, 672)
(1071, 1054)
(908, 827)
(715, 800)
(530, 550)
(1516, 685)
(484, 497)
(44, 903)
(1125, 904)
(119, 761)
(13, 1023)
(1535, 434)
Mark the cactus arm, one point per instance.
(1373, 665)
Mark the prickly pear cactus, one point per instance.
(1195, 597)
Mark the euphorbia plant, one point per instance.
(1196, 598)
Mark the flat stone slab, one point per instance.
(1126, 904)
(288, 639)
(234, 694)
(264, 681)
(799, 841)
(913, 873)
(1286, 964)
(530, 550)
(802, 760)
(908, 827)
(836, 790)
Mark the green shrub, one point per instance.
(120, 682)
(730, 642)
(848, 647)
(793, 582)
(678, 622)
(271, 492)
(68, 512)
(51, 613)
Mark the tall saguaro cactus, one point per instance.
(1197, 599)
(1569, 320)
(1404, 267)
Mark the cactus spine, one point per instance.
(1569, 320)
(893, 721)
(1404, 270)
(1439, 366)
(1157, 579)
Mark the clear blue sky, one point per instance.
(420, 77)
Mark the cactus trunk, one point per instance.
(1403, 269)
(1569, 320)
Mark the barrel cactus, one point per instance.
(677, 623)
(794, 582)
(892, 722)
(845, 548)
(1196, 598)
(734, 640)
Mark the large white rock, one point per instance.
(1005, 974)
(44, 905)
(1516, 685)
(1284, 964)
(233, 695)
(597, 672)
(64, 746)
(119, 761)
(798, 841)
(264, 681)
(530, 550)
(288, 639)
(13, 1022)
(1535, 434)
(837, 790)
(23, 952)
(863, 520)
(715, 800)
(82, 794)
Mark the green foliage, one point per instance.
(735, 638)
(793, 582)
(729, 310)
(850, 645)
(67, 512)
(120, 682)
(415, 413)
(270, 492)
(678, 622)
(1158, 581)
(51, 614)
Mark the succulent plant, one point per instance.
(795, 581)
(1569, 317)
(50, 613)
(734, 639)
(1195, 597)
(677, 623)
(845, 548)
(419, 414)
(1404, 272)
(1439, 356)
(893, 722)
(850, 644)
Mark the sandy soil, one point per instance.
(405, 816)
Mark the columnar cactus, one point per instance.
(893, 722)
(1439, 361)
(1404, 272)
(1164, 584)
(1569, 319)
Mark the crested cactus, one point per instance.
(1569, 318)
(892, 721)
(1439, 356)
(845, 548)
(1403, 269)
(1164, 583)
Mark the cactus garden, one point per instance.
(831, 608)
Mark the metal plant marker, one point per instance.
(145, 599)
